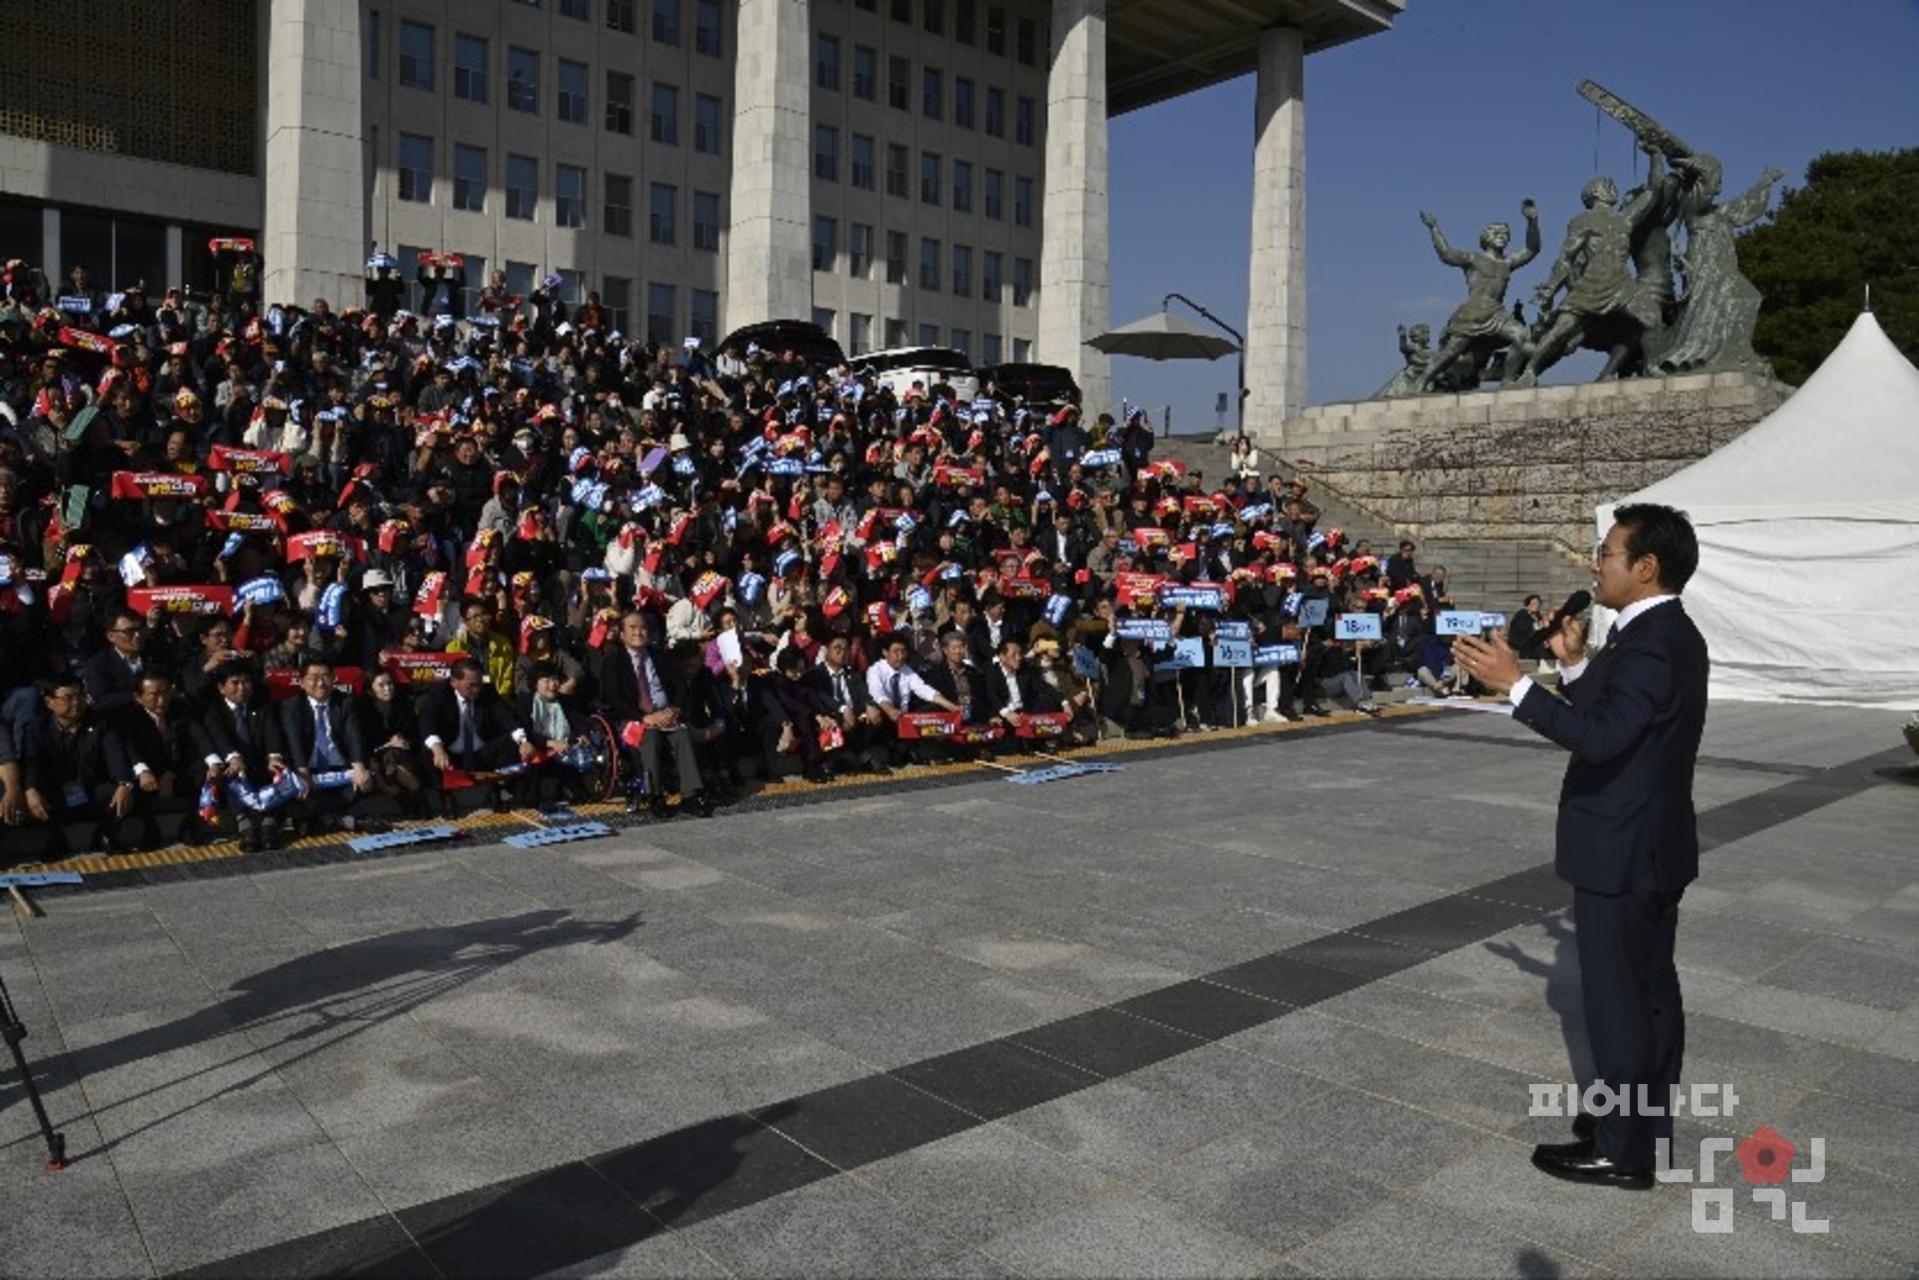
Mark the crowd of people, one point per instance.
(259, 563)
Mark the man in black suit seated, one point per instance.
(466, 725)
(794, 715)
(241, 745)
(323, 740)
(1014, 689)
(112, 675)
(74, 772)
(635, 691)
(1631, 716)
(159, 749)
(848, 698)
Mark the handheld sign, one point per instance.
(1492, 621)
(1155, 630)
(1453, 622)
(1232, 653)
(1276, 655)
(1188, 653)
(1358, 626)
(1233, 631)
(1313, 613)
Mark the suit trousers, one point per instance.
(1635, 1023)
(685, 763)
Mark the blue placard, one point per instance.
(1312, 613)
(1453, 622)
(34, 879)
(1189, 597)
(395, 839)
(1276, 655)
(1358, 626)
(1233, 631)
(1188, 652)
(1156, 630)
(1232, 653)
(1086, 664)
(559, 835)
(1033, 777)
(1492, 621)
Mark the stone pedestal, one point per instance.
(769, 262)
(314, 234)
(1075, 289)
(1525, 465)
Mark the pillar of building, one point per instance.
(769, 262)
(51, 262)
(176, 255)
(313, 229)
(1276, 298)
(1075, 288)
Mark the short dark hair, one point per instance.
(1665, 533)
(228, 670)
(541, 670)
(1531, 598)
(466, 667)
(311, 661)
(790, 660)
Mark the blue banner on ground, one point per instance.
(559, 835)
(396, 839)
(34, 879)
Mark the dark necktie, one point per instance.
(646, 684)
(240, 726)
(893, 686)
(469, 740)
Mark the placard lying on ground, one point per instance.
(559, 835)
(35, 879)
(395, 839)
(1033, 777)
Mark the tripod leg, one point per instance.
(14, 1031)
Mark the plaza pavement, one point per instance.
(1269, 1008)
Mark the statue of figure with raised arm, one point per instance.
(1482, 325)
(1716, 318)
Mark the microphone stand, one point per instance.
(14, 1031)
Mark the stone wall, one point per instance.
(1525, 464)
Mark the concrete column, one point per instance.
(1276, 300)
(769, 260)
(1075, 289)
(51, 262)
(176, 255)
(313, 235)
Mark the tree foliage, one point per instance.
(1855, 222)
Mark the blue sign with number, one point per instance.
(1188, 652)
(1452, 622)
(1313, 613)
(1359, 626)
(1232, 653)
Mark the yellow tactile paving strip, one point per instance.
(527, 819)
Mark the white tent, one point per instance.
(1808, 581)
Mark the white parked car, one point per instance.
(932, 367)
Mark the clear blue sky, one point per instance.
(1466, 108)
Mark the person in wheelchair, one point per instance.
(557, 725)
(635, 692)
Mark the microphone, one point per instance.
(1576, 603)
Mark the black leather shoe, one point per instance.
(817, 774)
(658, 807)
(1578, 1162)
(1315, 709)
(250, 840)
(701, 805)
(1584, 1127)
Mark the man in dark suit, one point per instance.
(466, 725)
(158, 746)
(240, 744)
(73, 769)
(323, 739)
(845, 692)
(634, 690)
(957, 681)
(112, 675)
(1014, 689)
(1632, 716)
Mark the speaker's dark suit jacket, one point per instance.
(1632, 722)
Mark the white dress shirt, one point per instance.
(879, 683)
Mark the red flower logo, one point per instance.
(1766, 1157)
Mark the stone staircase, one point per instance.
(1491, 574)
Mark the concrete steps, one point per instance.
(1490, 574)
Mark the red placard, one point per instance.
(1043, 724)
(242, 522)
(324, 542)
(209, 599)
(249, 461)
(928, 724)
(421, 668)
(283, 682)
(158, 484)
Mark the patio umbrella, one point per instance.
(1163, 336)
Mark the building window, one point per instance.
(961, 340)
(995, 112)
(866, 74)
(929, 335)
(416, 55)
(929, 264)
(859, 250)
(826, 62)
(989, 277)
(896, 170)
(666, 22)
(995, 29)
(706, 123)
(862, 162)
(519, 278)
(704, 323)
(859, 333)
(1022, 281)
(522, 188)
(572, 102)
(619, 102)
(416, 168)
(1027, 49)
(706, 35)
(962, 271)
(933, 17)
(522, 80)
(995, 194)
(896, 257)
(618, 219)
(898, 71)
(962, 186)
(666, 114)
(372, 44)
(962, 102)
(662, 314)
(1022, 202)
(823, 319)
(826, 238)
(895, 333)
(578, 9)
(826, 153)
(569, 195)
(1022, 350)
(616, 295)
(469, 178)
(963, 20)
(620, 15)
(661, 199)
(902, 10)
(1023, 122)
(989, 349)
(930, 165)
(706, 221)
(469, 68)
(932, 93)
(475, 281)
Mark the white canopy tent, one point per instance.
(1808, 581)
